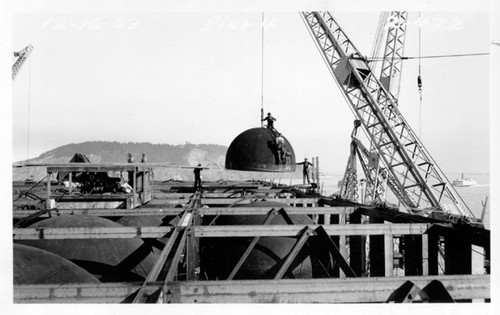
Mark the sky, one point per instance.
(196, 76)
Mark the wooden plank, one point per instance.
(19, 214)
(287, 230)
(347, 290)
(425, 255)
(91, 232)
(62, 198)
(389, 255)
(75, 293)
(231, 201)
(214, 231)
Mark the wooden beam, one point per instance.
(389, 255)
(213, 231)
(75, 293)
(287, 230)
(231, 201)
(347, 290)
(293, 253)
(155, 271)
(19, 214)
(250, 247)
(91, 232)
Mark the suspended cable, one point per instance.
(262, 73)
(375, 59)
(419, 80)
(29, 110)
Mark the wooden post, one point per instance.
(317, 170)
(342, 243)
(357, 249)
(389, 254)
(47, 202)
(135, 187)
(191, 255)
(377, 259)
(70, 181)
(433, 254)
(413, 255)
(425, 255)
(458, 254)
(335, 219)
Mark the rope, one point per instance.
(29, 111)
(419, 80)
(262, 73)
(376, 59)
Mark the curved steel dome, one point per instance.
(256, 149)
(110, 260)
(37, 266)
(220, 255)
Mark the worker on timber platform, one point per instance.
(305, 170)
(144, 158)
(270, 121)
(130, 158)
(197, 177)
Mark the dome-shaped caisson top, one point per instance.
(259, 149)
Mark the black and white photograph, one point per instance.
(189, 152)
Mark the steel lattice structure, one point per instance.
(418, 182)
(392, 63)
(22, 56)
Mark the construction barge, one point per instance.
(112, 234)
(237, 242)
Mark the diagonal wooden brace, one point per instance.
(293, 253)
(332, 248)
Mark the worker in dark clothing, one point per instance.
(270, 121)
(130, 158)
(280, 146)
(306, 170)
(144, 158)
(197, 177)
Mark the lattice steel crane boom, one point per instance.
(21, 58)
(392, 27)
(419, 183)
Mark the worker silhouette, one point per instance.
(280, 147)
(130, 158)
(270, 121)
(306, 167)
(144, 158)
(197, 177)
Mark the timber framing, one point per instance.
(348, 290)
(337, 227)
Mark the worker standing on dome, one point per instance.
(280, 146)
(270, 121)
(305, 170)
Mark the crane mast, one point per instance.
(21, 58)
(390, 78)
(392, 63)
(417, 181)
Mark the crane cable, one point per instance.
(419, 80)
(29, 114)
(262, 74)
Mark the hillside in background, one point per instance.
(209, 155)
(116, 152)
